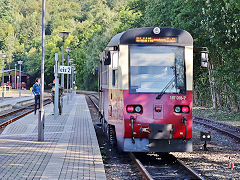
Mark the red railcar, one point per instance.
(145, 87)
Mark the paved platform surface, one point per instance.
(70, 149)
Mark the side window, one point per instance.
(114, 77)
(104, 74)
(115, 69)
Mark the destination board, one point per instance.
(154, 39)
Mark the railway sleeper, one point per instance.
(111, 133)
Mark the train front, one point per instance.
(158, 97)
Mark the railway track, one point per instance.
(16, 114)
(162, 166)
(170, 168)
(227, 129)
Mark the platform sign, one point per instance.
(64, 69)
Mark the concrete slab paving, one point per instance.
(70, 149)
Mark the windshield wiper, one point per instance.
(166, 87)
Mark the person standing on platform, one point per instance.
(36, 91)
(60, 94)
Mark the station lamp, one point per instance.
(64, 34)
(204, 56)
(68, 49)
(71, 60)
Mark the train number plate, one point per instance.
(181, 98)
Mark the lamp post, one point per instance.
(63, 35)
(3, 56)
(17, 82)
(41, 116)
(68, 50)
(15, 77)
(71, 80)
(20, 71)
(9, 75)
(71, 75)
(75, 77)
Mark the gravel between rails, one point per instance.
(163, 166)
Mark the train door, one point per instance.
(114, 86)
(104, 90)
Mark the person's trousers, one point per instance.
(37, 102)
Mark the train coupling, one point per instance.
(184, 121)
(145, 130)
(132, 119)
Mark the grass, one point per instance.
(218, 115)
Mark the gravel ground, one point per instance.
(118, 165)
(214, 163)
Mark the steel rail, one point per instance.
(18, 110)
(140, 166)
(227, 131)
(147, 175)
(19, 116)
(187, 168)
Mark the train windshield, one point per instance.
(154, 69)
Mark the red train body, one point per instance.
(146, 90)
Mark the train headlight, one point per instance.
(177, 109)
(138, 109)
(156, 30)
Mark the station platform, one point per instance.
(69, 151)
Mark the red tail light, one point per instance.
(185, 109)
(130, 109)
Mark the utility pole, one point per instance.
(20, 71)
(15, 77)
(56, 112)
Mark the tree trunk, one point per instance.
(211, 82)
(195, 95)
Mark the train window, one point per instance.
(156, 68)
(104, 75)
(114, 67)
(179, 74)
(114, 60)
(114, 77)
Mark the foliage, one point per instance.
(214, 24)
